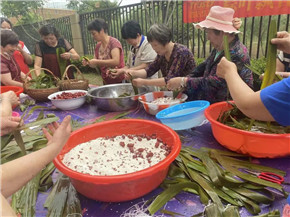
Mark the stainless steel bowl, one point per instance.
(108, 98)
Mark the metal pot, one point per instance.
(113, 97)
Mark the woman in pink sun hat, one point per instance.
(202, 82)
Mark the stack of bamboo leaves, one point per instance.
(218, 176)
(63, 199)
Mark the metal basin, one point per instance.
(113, 97)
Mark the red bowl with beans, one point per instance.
(117, 188)
(68, 99)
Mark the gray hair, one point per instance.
(160, 33)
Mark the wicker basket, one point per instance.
(73, 84)
(40, 94)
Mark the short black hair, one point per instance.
(49, 29)
(131, 29)
(160, 33)
(8, 37)
(97, 25)
(4, 19)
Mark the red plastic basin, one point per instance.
(120, 187)
(16, 89)
(251, 143)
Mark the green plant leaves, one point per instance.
(217, 175)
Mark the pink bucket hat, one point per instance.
(219, 18)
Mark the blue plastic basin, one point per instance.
(184, 116)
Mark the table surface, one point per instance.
(187, 204)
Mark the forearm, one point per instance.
(141, 66)
(6, 108)
(37, 65)
(27, 57)
(248, 101)
(238, 88)
(74, 56)
(107, 63)
(6, 209)
(11, 83)
(141, 73)
(159, 82)
(25, 167)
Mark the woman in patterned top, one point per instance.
(172, 59)
(203, 83)
(52, 51)
(108, 52)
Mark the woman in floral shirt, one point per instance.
(203, 83)
(172, 59)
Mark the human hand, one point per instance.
(11, 98)
(19, 48)
(66, 55)
(237, 23)
(114, 73)
(8, 124)
(139, 82)
(282, 74)
(282, 41)
(60, 133)
(174, 83)
(129, 74)
(224, 67)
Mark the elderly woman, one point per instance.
(11, 74)
(172, 59)
(108, 52)
(22, 54)
(203, 83)
(53, 52)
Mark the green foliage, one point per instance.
(198, 60)
(258, 65)
(84, 6)
(24, 11)
(42, 81)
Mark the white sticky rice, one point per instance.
(117, 155)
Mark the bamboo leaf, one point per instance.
(271, 57)
(5, 140)
(212, 210)
(202, 182)
(39, 122)
(19, 141)
(73, 205)
(226, 48)
(168, 194)
(57, 205)
(231, 211)
(62, 63)
(228, 163)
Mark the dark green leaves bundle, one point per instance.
(43, 81)
(217, 176)
(235, 118)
